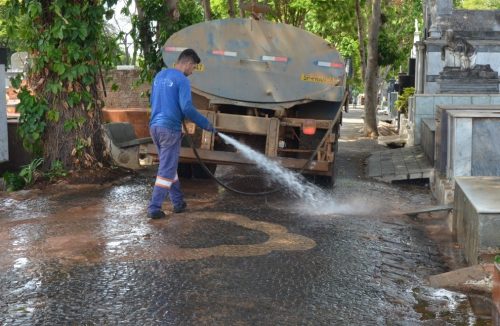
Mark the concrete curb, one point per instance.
(477, 278)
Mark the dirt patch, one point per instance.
(96, 176)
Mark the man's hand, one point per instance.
(213, 130)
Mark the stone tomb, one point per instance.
(473, 148)
(423, 106)
(442, 181)
(460, 51)
(476, 217)
(441, 131)
(480, 79)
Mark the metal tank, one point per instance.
(276, 87)
(260, 61)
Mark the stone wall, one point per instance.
(128, 103)
(127, 95)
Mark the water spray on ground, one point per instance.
(313, 199)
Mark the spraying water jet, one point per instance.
(293, 182)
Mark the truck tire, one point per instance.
(200, 173)
(184, 170)
(194, 170)
(333, 176)
(327, 181)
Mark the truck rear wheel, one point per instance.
(327, 181)
(194, 170)
(184, 170)
(200, 173)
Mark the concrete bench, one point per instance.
(476, 217)
(123, 145)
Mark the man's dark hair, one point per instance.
(189, 55)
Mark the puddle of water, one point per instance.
(26, 208)
(446, 306)
(20, 262)
(24, 236)
(30, 286)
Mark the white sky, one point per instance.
(122, 23)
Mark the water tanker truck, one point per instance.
(274, 87)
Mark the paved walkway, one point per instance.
(399, 164)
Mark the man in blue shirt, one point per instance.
(170, 104)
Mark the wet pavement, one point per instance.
(87, 255)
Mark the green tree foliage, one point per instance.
(332, 20)
(292, 12)
(478, 4)
(402, 101)
(3, 30)
(154, 26)
(60, 105)
(398, 26)
(335, 21)
(220, 9)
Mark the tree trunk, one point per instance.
(145, 35)
(126, 45)
(242, 12)
(371, 82)
(173, 11)
(361, 39)
(231, 12)
(82, 147)
(134, 56)
(74, 138)
(207, 9)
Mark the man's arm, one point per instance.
(188, 108)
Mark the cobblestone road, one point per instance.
(89, 256)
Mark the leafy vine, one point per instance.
(59, 101)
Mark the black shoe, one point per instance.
(156, 215)
(181, 208)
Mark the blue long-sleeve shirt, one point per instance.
(171, 102)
